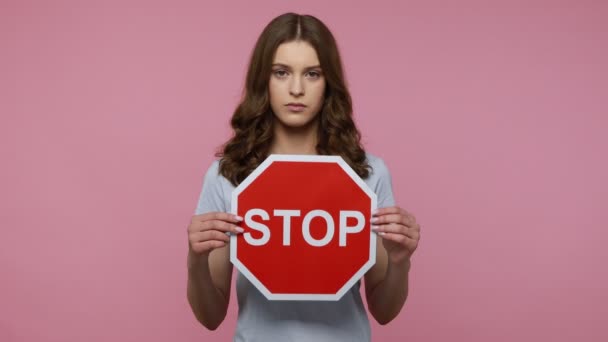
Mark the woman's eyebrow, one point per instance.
(289, 68)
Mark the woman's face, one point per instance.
(296, 85)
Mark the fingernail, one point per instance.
(375, 212)
(375, 227)
(381, 233)
(238, 218)
(375, 220)
(239, 229)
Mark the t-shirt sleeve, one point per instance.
(211, 197)
(384, 185)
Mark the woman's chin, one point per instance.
(297, 122)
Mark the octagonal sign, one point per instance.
(307, 227)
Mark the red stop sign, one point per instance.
(307, 227)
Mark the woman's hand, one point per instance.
(399, 231)
(208, 231)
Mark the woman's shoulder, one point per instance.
(377, 164)
(213, 169)
(380, 181)
(213, 174)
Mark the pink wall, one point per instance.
(491, 115)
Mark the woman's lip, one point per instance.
(295, 107)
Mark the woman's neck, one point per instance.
(289, 140)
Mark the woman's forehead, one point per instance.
(296, 54)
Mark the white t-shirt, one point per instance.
(263, 320)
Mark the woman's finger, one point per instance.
(209, 235)
(394, 218)
(390, 228)
(222, 226)
(207, 246)
(215, 216)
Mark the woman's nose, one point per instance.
(296, 88)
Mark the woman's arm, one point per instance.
(209, 267)
(386, 286)
(209, 278)
(386, 283)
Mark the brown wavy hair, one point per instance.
(253, 119)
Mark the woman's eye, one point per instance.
(314, 74)
(280, 73)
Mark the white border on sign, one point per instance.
(303, 158)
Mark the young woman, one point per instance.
(295, 102)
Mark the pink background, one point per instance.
(491, 115)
